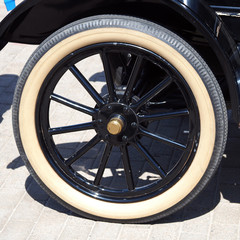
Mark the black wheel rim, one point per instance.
(122, 119)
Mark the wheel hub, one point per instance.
(117, 123)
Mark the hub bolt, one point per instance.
(126, 110)
(133, 125)
(125, 138)
(107, 137)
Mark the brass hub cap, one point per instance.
(115, 126)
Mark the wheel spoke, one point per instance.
(74, 105)
(108, 75)
(158, 138)
(83, 150)
(127, 167)
(85, 83)
(72, 128)
(161, 116)
(152, 93)
(133, 77)
(103, 163)
(153, 163)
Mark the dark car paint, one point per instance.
(34, 20)
(230, 14)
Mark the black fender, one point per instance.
(32, 21)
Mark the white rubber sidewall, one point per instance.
(79, 200)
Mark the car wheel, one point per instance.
(133, 143)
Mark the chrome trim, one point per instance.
(228, 14)
(218, 29)
(225, 8)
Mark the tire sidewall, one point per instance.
(154, 38)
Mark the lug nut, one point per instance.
(106, 137)
(109, 107)
(133, 125)
(126, 110)
(125, 138)
(100, 121)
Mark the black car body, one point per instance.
(207, 25)
(210, 27)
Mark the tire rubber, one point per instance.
(205, 88)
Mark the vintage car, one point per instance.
(121, 112)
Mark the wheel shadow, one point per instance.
(7, 87)
(225, 185)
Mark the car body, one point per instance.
(210, 27)
(33, 21)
